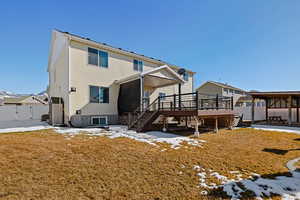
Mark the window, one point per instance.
(137, 65)
(226, 90)
(162, 96)
(186, 76)
(97, 57)
(102, 121)
(93, 56)
(99, 94)
(103, 58)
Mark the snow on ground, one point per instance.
(277, 128)
(151, 137)
(39, 126)
(286, 187)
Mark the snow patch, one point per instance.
(286, 187)
(26, 129)
(151, 137)
(277, 128)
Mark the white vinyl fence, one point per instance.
(21, 115)
(260, 113)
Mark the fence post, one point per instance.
(232, 103)
(217, 102)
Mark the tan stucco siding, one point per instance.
(210, 89)
(59, 71)
(83, 75)
(187, 87)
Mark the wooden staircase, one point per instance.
(143, 117)
(144, 121)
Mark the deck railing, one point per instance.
(191, 101)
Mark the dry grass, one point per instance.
(45, 165)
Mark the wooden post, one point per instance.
(158, 102)
(298, 102)
(174, 99)
(252, 110)
(179, 96)
(267, 113)
(290, 110)
(196, 133)
(197, 101)
(217, 102)
(232, 103)
(216, 125)
(142, 94)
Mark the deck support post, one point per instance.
(142, 94)
(165, 124)
(216, 125)
(253, 110)
(196, 133)
(267, 112)
(298, 102)
(290, 110)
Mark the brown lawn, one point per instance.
(46, 165)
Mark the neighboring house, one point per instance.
(213, 88)
(246, 101)
(1, 101)
(92, 83)
(23, 100)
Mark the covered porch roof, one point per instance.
(279, 94)
(156, 78)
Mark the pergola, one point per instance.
(278, 100)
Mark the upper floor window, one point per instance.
(138, 65)
(99, 94)
(97, 57)
(186, 76)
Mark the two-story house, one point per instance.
(92, 83)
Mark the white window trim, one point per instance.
(93, 117)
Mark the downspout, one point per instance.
(69, 81)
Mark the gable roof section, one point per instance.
(151, 72)
(222, 85)
(119, 50)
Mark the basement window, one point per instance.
(100, 121)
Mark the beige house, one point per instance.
(213, 88)
(92, 83)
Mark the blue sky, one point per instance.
(252, 44)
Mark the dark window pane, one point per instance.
(104, 95)
(186, 76)
(94, 94)
(103, 121)
(135, 65)
(103, 59)
(93, 56)
(140, 66)
(95, 121)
